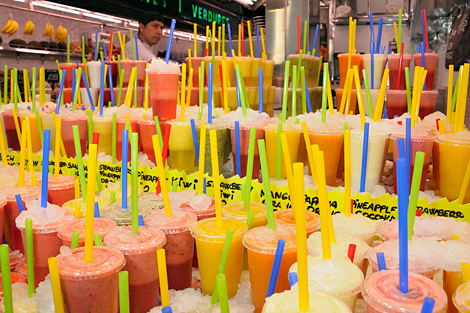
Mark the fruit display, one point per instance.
(60, 34)
(10, 28)
(49, 31)
(29, 28)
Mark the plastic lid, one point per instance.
(62, 182)
(461, 298)
(70, 205)
(207, 229)
(178, 222)
(329, 276)
(154, 200)
(325, 131)
(116, 187)
(26, 192)
(382, 292)
(235, 210)
(100, 226)
(198, 211)
(106, 261)
(286, 127)
(16, 257)
(45, 220)
(286, 217)
(340, 248)
(124, 217)
(264, 240)
(15, 278)
(357, 133)
(356, 225)
(148, 239)
(72, 115)
(461, 138)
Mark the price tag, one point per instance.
(52, 76)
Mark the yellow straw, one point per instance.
(130, 88)
(195, 40)
(55, 283)
(218, 41)
(347, 172)
(311, 162)
(62, 147)
(190, 87)
(17, 124)
(465, 267)
(301, 238)
(58, 135)
(216, 178)
(455, 117)
(380, 100)
(190, 65)
(29, 145)
(262, 42)
(420, 91)
(202, 159)
(249, 37)
(22, 155)
(161, 174)
(224, 85)
(183, 92)
(359, 95)
(162, 274)
(354, 37)
(350, 46)
(442, 129)
(123, 46)
(463, 100)
(89, 215)
(396, 31)
(287, 163)
(414, 96)
(239, 40)
(207, 38)
(213, 39)
(77, 188)
(450, 85)
(346, 86)
(328, 91)
(3, 147)
(77, 211)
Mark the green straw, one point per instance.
(133, 46)
(124, 292)
(267, 187)
(81, 172)
(33, 91)
(15, 98)
(18, 93)
(249, 169)
(323, 101)
(223, 39)
(414, 192)
(174, 187)
(302, 86)
(83, 49)
(135, 186)
(38, 121)
(201, 89)
(366, 87)
(250, 218)
(119, 63)
(298, 70)
(68, 48)
(58, 68)
(29, 255)
(77, 90)
(5, 85)
(242, 97)
(222, 291)
(114, 138)
(285, 91)
(90, 125)
(101, 55)
(245, 94)
(112, 197)
(159, 131)
(86, 72)
(1, 98)
(135, 87)
(98, 241)
(121, 78)
(223, 261)
(294, 91)
(454, 97)
(408, 88)
(278, 151)
(75, 239)
(6, 278)
(399, 31)
(305, 36)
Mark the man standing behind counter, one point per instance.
(150, 32)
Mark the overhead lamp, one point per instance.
(102, 17)
(55, 7)
(134, 24)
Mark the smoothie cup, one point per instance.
(101, 226)
(114, 71)
(374, 95)
(451, 282)
(83, 282)
(245, 64)
(293, 133)
(394, 66)
(140, 252)
(116, 188)
(268, 71)
(3, 203)
(244, 144)
(209, 243)
(218, 61)
(396, 103)
(327, 276)
(67, 95)
(461, 298)
(121, 216)
(141, 67)
(232, 99)
(356, 225)
(286, 218)
(268, 100)
(253, 79)
(428, 103)
(86, 99)
(382, 293)
(181, 146)
(10, 130)
(222, 133)
(261, 244)
(216, 98)
(379, 67)
(48, 123)
(35, 140)
(21, 300)
(195, 65)
(69, 119)
(147, 130)
(16, 257)
(430, 64)
(15, 278)
(330, 141)
(339, 96)
(310, 63)
(179, 247)
(315, 94)
(127, 66)
(120, 126)
(418, 144)
(103, 125)
(46, 244)
(298, 102)
(375, 157)
(71, 204)
(61, 189)
(356, 59)
(234, 210)
(94, 74)
(68, 76)
(155, 201)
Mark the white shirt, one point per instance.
(145, 51)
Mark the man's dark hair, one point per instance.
(147, 17)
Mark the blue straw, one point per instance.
(408, 148)
(403, 198)
(418, 49)
(379, 35)
(385, 114)
(170, 41)
(237, 148)
(96, 45)
(167, 309)
(205, 186)
(276, 267)
(97, 210)
(230, 39)
(136, 47)
(73, 83)
(428, 305)
(195, 141)
(78, 64)
(293, 279)
(383, 49)
(125, 140)
(239, 101)
(371, 65)
(45, 166)
(257, 42)
(19, 203)
(371, 20)
(315, 38)
(102, 88)
(401, 148)
(423, 63)
(88, 91)
(307, 97)
(381, 261)
(61, 89)
(261, 89)
(365, 147)
(209, 101)
(111, 86)
(389, 50)
(104, 51)
(141, 220)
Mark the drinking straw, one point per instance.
(347, 86)
(379, 35)
(243, 39)
(6, 278)
(311, 162)
(249, 168)
(39, 126)
(324, 96)
(75, 235)
(165, 143)
(135, 184)
(17, 124)
(465, 269)
(76, 85)
(130, 87)
(347, 172)
(305, 37)
(19, 203)
(161, 174)
(400, 30)
(359, 95)
(415, 186)
(170, 41)
(240, 95)
(285, 90)
(213, 42)
(408, 88)
(223, 261)
(287, 163)
(365, 151)
(45, 166)
(423, 63)
(408, 149)
(3, 146)
(351, 251)
(162, 273)
(307, 95)
(248, 24)
(111, 87)
(216, 178)
(428, 305)
(136, 45)
(278, 151)
(22, 155)
(29, 254)
(425, 30)
(195, 140)
(97, 44)
(98, 240)
(58, 138)
(276, 266)
(124, 292)
(237, 148)
(55, 283)
(450, 83)
(298, 34)
(372, 65)
(61, 90)
(222, 291)
(90, 204)
(366, 87)
(371, 22)
(26, 86)
(402, 222)
(381, 261)
(88, 90)
(125, 140)
(260, 90)
(266, 184)
(299, 65)
(210, 93)
(400, 65)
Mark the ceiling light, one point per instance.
(55, 7)
(102, 17)
(134, 24)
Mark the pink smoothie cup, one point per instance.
(394, 66)
(69, 119)
(430, 64)
(428, 103)
(101, 226)
(396, 103)
(61, 189)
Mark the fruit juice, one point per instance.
(382, 293)
(3, 203)
(293, 133)
(11, 212)
(356, 59)
(127, 66)
(311, 64)
(22, 269)
(286, 218)
(147, 130)
(194, 96)
(94, 74)
(430, 64)
(251, 93)
(101, 226)
(68, 76)
(217, 97)
(454, 153)
(179, 247)
(86, 99)
(67, 95)
(216, 72)
(428, 103)
(418, 144)
(103, 125)
(181, 146)
(71, 204)
(244, 144)
(298, 102)
(209, 242)
(234, 210)
(222, 133)
(435, 165)
(48, 123)
(122, 216)
(232, 99)
(379, 67)
(69, 119)
(83, 283)
(356, 225)
(330, 141)
(394, 66)
(46, 244)
(374, 95)
(261, 244)
(120, 126)
(353, 107)
(462, 298)
(396, 103)
(451, 282)
(140, 252)
(114, 71)
(245, 64)
(35, 140)
(268, 71)
(195, 65)
(61, 189)
(141, 67)
(268, 100)
(10, 130)
(140, 96)
(375, 156)
(315, 94)
(328, 276)
(15, 278)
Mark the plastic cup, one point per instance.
(286, 218)
(3, 203)
(268, 100)
(194, 96)
(245, 64)
(147, 130)
(268, 71)
(382, 293)
(244, 144)
(310, 63)
(261, 244)
(375, 157)
(155, 201)
(356, 225)
(120, 126)
(15, 278)
(48, 123)
(103, 125)
(223, 134)
(67, 95)
(209, 243)
(61, 189)
(10, 130)
(418, 144)
(394, 66)
(114, 71)
(327, 276)
(430, 64)
(140, 252)
(374, 95)
(461, 298)
(298, 102)
(83, 282)
(181, 146)
(94, 74)
(330, 142)
(127, 66)
(379, 67)
(116, 188)
(35, 140)
(451, 282)
(315, 94)
(93, 93)
(293, 137)
(71, 204)
(123, 217)
(435, 165)
(216, 72)
(179, 247)
(339, 96)
(101, 226)
(68, 76)
(196, 64)
(234, 210)
(428, 103)
(140, 96)
(16, 257)
(396, 103)
(69, 119)
(216, 97)
(356, 59)
(164, 86)
(252, 80)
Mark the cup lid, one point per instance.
(101, 226)
(123, 239)
(264, 240)
(207, 229)
(179, 221)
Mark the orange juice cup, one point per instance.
(286, 218)
(356, 59)
(35, 141)
(68, 76)
(330, 142)
(339, 96)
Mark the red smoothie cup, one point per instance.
(101, 226)
(61, 189)
(430, 64)
(164, 86)
(22, 269)
(69, 119)
(120, 126)
(244, 144)
(15, 278)
(147, 130)
(396, 103)
(394, 66)
(68, 76)
(10, 130)
(428, 103)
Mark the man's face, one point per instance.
(152, 32)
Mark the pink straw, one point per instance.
(400, 64)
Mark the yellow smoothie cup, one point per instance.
(103, 124)
(181, 145)
(35, 140)
(234, 210)
(461, 298)
(293, 137)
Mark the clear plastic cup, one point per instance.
(286, 217)
(461, 298)
(94, 74)
(396, 103)
(293, 133)
(353, 107)
(15, 278)
(3, 203)
(356, 59)
(430, 64)
(356, 225)
(35, 140)
(103, 125)
(21, 301)
(223, 134)
(244, 145)
(181, 146)
(155, 201)
(86, 99)
(68, 76)
(122, 216)
(10, 130)
(120, 126)
(147, 130)
(374, 95)
(330, 142)
(164, 86)
(394, 66)
(70, 119)
(428, 103)
(379, 67)
(116, 188)
(235, 210)
(22, 269)
(101, 226)
(61, 189)
(311, 64)
(16, 257)
(71, 204)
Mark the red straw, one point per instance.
(205, 53)
(437, 123)
(400, 64)
(298, 34)
(425, 32)
(110, 52)
(351, 251)
(221, 80)
(352, 206)
(243, 40)
(96, 138)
